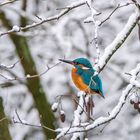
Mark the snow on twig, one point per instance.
(96, 42)
(79, 110)
(77, 114)
(134, 76)
(96, 26)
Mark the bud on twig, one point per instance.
(62, 116)
(131, 102)
(54, 107)
(136, 105)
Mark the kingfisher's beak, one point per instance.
(67, 61)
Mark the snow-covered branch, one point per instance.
(119, 40)
(56, 17)
(83, 127)
(77, 114)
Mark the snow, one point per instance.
(134, 74)
(88, 19)
(55, 106)
(62, 112)
(77, 112)
(133, 97)
(16, 28)
(79, 2)
(75, 136)
(28, 75)
(134, 82)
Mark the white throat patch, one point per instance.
(85, 68)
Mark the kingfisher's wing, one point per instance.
(98, 81)
(94, 82)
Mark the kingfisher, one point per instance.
(83, 76)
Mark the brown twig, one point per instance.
(136, 3)
(52, 18)
(118, 7)
(3, 67)
(8, 2)
(20, 121)
(29, 76)
(5, 118)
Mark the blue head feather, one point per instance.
(83, 61)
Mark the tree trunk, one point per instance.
(34, 85)
(4, 131)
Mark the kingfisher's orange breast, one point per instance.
(78, 80)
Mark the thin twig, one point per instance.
(52, 18)
(118, 7)
(19, 121)
(30, 76)
(5, 118)
(8, 2)
(136, 3)
(3, 67)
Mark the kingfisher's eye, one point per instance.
(76, 63)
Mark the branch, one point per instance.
(118, 41)
(28, 76)
(8, 69)
(89, 19)
(56, 17)
(103, 120)
(77, 115)
(118, 7)
(136, 3)
(5, 118)
(8, 2)
(3, 67)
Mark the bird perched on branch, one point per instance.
(83, 76)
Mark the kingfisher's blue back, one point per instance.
(94, 82)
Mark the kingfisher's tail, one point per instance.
(101, 94)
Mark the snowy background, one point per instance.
(70, 37)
